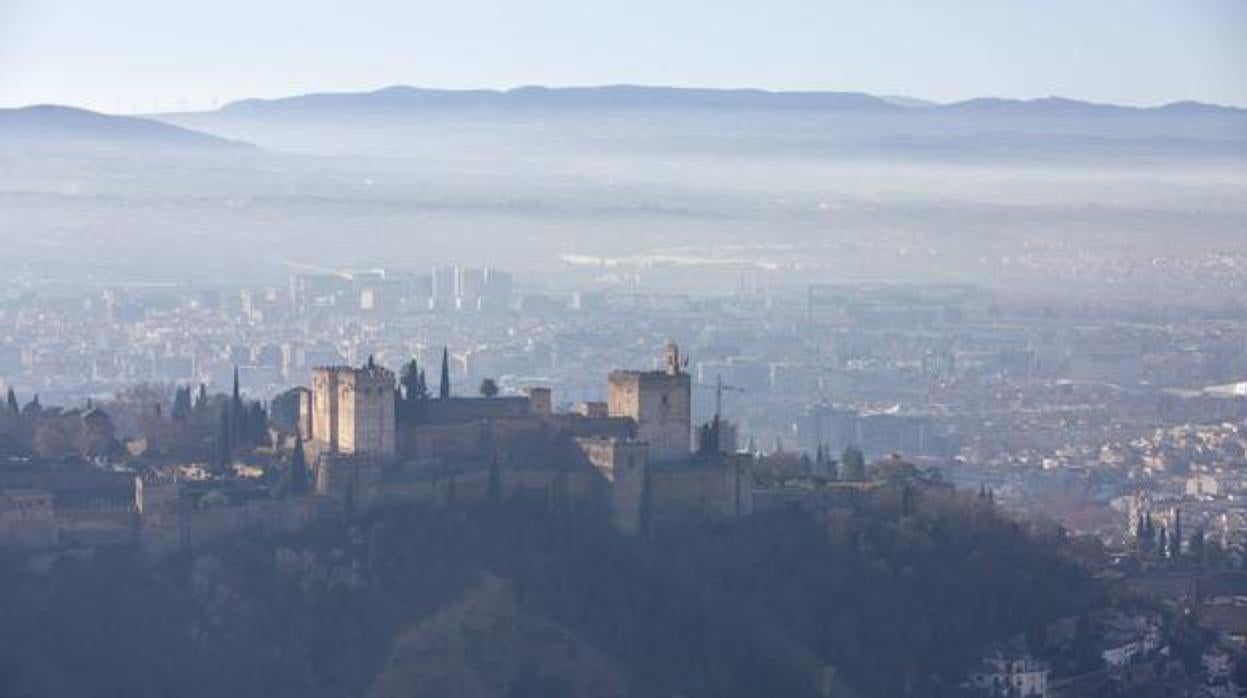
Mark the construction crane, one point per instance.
(718, 392)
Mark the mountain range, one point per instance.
(533, 121)
(638, 96)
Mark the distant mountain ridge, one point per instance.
(47, 123)
(604, 97)
(642, 96)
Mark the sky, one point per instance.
(164, 55)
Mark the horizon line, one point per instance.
(217, 104)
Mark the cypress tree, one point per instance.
(257, 424)
(13, 406)
(181, 404)
(1176, 540)
(237, 419)
(224, 439)
(298, 478)
(1197, 545)
(495, 481)
(443, 390)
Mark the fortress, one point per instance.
(365, 444)
(635, 462)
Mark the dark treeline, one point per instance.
(894, 597)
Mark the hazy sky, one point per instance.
(137, 55)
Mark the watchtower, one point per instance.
(660, 402)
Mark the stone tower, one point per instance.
(353, 430)
(660, 402)
(353, 411)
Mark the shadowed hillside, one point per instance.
(508, 602)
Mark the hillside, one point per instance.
(509, 602)
(52, 125)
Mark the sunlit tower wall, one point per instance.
(353, 411)
(661, 404)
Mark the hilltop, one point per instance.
(47, 124)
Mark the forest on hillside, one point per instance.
(890, 599)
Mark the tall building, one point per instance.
(498, 286)
(469, 287)
(352, 411)
(660, 402)
(443, 291)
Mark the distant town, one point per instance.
(167, 418)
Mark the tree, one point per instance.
(495, 481)
(443, 390)
(1175, 543)
(12, 403)
(412, 380)
(52, 440)
(201, 400)
(489, 388)
(298, 479)
(224, 439)
(33, 407)
(181, 404)
(256, 425)
(1197, 546)
(853, 465)
(237, 420)
(1146, 535)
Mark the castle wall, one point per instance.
(464, 440)
(622, 465)
(722, 489)
(468, 409)
(354, 479)
(164, 533)
(574, 424)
